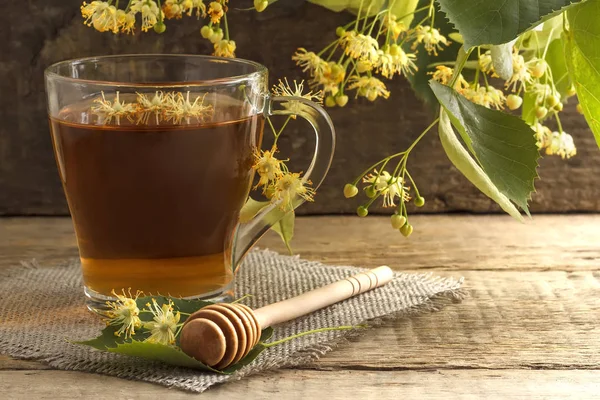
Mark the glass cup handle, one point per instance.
(249, 232)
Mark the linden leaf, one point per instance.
(461, 159)
(251, 209)
(583, 60)
(496, 22)
(503, 144)
(555, 57)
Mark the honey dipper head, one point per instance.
(220, 335)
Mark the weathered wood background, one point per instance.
(38, 33)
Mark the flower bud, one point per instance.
(205, 31)
(160, 27)
(558, 107)
(340, 31)
(260, 5)
(350, 190)
(216, 36)
(419, 201)
(541, 112)
(513, 101)
(341, 100)
(398, 221)
(579, 109)
(330, 101)
(552, 100)
(362, 211)
(571, 91)
(539, 69)
(370, 192)
(406, 230)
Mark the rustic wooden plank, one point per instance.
(52, 31)
(440, 242)
(302, 384)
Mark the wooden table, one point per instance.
(530, 329)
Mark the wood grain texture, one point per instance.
(42, 33)
(529, 328)
(303, 384)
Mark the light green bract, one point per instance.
(108, 341)
(583, 59)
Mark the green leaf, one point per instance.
(251, 209)
(419, 81)
(583, 60)
(285, 228)
(351, 5)
(503, 144)
(502, 60)
(536, 38)
(461, 159)
(555, 57)
(404, 8)
(493, 22)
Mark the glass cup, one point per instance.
(155, 155)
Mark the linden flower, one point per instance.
(267, 166)
(124, 313)
(164, 324)
(149, 106)
(176, 8)
(284, 89)
(180, 108)
(521, 74)
(288, 187)
(394, 60)
(359, 46)
(126, 21)
(150, 12)
(395, 27)
(561, 144)
(311, 63)
(389, 187)
(485, 62)
(369, 87)
(444, 74)
(543, 91)
(215, 11)
(488, 97)
(107, 110)
(431, 38)
(543, 136)
(225, 48)
(101, 16)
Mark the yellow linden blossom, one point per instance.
(561, 144)
(215, 11)
(485, 62)
(126, 21)
(101, 16)
(124, 313)
(543, 91)
(389, 187)
(225, 48)
(444, 74)
(176, 8)
(369, 87)
(288, 187)
(149, 10)
(543, 136)
(116, 109)
(311, 63)
(149, 106)
(431, 39)
(521, 74)
(284, 89)
(489, 97)
(359, 46)
(180, 108)
(395, 27)
(267, 166)
(164, 324)
(394, 60)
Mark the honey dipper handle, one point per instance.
(306, 303)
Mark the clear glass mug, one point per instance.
(155, 155)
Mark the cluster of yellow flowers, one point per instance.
(124, 313)
(173, 107)
(106, 17)
(368, 46)
(532, 77)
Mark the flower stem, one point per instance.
(460, 64)
(299, 335)
(226, 26)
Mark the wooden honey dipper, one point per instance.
(222, 334)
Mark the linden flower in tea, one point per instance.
(125, 313)
(107, 110)
(164, 325)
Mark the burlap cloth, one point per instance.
(42, 308)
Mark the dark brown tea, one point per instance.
(155, 207)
